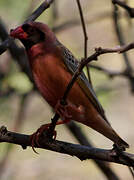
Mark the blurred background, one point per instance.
(24, 110)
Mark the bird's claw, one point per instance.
(117, 150)
(34, 138)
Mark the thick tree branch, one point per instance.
(81, 152)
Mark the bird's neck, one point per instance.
(40, 49)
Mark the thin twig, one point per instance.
(85, 35)
(122, 43)
(125, 6)
(120, 36)
(83, 27)
(132, 171)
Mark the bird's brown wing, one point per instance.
(72, 65)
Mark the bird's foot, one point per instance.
(34, 138)
(117, 150)
(45, 131)
(62, 110)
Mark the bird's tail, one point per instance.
(120, 142)
(102, 126)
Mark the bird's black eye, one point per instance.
(11, 30)
(28, 29)
(25, 27)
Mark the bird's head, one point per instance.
(32, 33)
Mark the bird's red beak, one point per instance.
(18, 33)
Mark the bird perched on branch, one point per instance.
(52, 67)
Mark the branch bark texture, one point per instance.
(81, 152)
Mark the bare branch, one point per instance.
(120, 37)
(118, 49)
(122, 42)
(126, 7)
(126, 48)
(81, 152)
(83, 27)
(85, 35)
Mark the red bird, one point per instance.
(52, 67)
